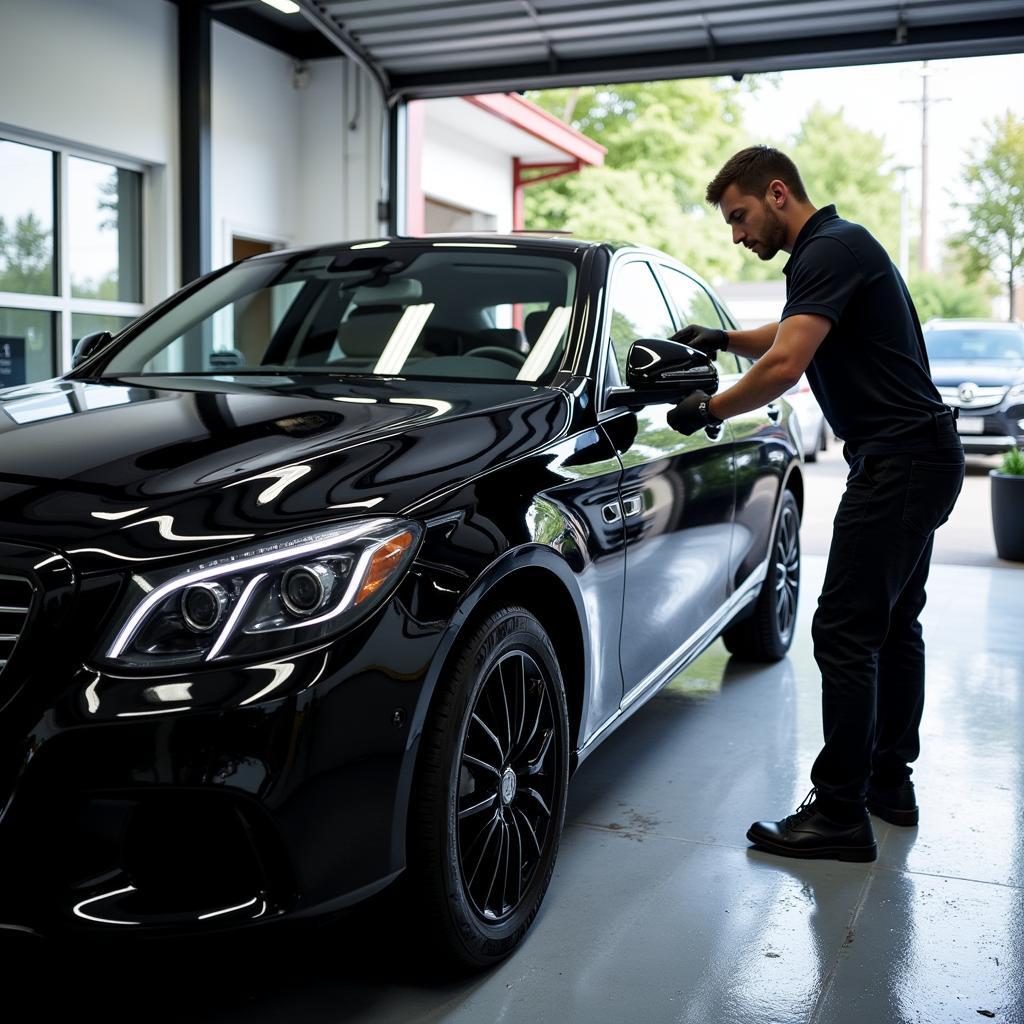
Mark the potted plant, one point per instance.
(1008, 506)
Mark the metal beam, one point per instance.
(194, 142)
(346, 45)
(876, 47)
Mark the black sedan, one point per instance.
(338, 563)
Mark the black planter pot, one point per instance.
(1008, 515)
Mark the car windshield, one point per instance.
(970, 344)
(454, 310)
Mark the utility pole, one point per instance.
(924, 102)
(904, 263)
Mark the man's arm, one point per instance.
(796, 340)
(753, 343)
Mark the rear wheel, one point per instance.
(490, 796)
(767, 633)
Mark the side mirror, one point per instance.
(663, 371)
(88, 345)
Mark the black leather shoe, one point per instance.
(894, 804)
(808, 833)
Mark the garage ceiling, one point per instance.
(450, 47)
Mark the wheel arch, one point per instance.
(537, 578)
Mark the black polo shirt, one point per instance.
(870, 374)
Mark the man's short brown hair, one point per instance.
(752, 170)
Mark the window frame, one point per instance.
(605, 352)
(726, 321)
(62, 303)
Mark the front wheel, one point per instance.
(489, 801)
(767, 633)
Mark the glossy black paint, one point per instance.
(243, 792)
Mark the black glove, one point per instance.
(692, 413)
(705, 339)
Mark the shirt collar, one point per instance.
(815, 221)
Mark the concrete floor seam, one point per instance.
(831, 974)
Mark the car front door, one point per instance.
(677, 500)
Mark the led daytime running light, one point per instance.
(216, 569)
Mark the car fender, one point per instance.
(488, 583)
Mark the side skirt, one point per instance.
(687, 652)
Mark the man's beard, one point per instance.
(774, 234)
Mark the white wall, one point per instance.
(340, 154)
(287, 165)
(458, 170)
(255, 133)
(101, 75)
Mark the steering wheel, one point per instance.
(502, 355)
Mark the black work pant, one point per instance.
(867, 637)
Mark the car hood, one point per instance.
(989, 374)
(139, 470)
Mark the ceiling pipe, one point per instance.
(331, 30)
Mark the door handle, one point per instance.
(611, 513)
(633, 505)
(774, 412)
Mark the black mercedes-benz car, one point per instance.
(978, 367)
(338, 563)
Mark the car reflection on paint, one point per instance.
(335, 567)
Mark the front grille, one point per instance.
(15, 600)
(976, 397)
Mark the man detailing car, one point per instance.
(850, 323)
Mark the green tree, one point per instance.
(994, 240)
(665, 141)
(947, 294)
(25, 257)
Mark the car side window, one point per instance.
(638, 311)
(695, 306)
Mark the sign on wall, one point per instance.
(12, 362)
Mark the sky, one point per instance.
(978, 88)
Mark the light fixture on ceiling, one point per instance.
(284, 6)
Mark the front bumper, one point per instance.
(219, 798)
(991, 433)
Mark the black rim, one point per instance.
(508, 785)
(787, 571)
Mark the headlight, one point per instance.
(287, 592)
(1016, 394)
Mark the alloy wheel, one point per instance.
(508, 785)
(787, 571)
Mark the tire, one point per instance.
(489, 798)
(767, 633)
(823, 440)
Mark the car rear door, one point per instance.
(676, 499)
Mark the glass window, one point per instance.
(67, 276)
(26, 219)
(695, 306)
(105, 243)
(415, 311)
(638, 310)
(26, 346)
(971, 344)
(86, 323)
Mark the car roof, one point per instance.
(552, 241)
(951, 323)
